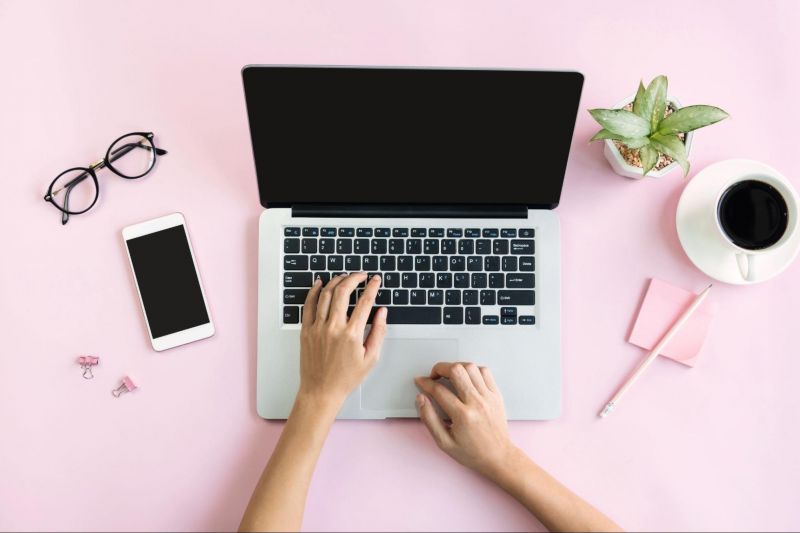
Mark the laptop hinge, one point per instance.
(409, 211)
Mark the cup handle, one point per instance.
(747, 266)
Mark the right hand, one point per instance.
(477, 436)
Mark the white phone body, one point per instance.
(162, 341)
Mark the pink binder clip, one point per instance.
(127, 385)
(87, 362)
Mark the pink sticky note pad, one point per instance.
(662, 306)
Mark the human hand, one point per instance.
(334, 356)
(477, 435)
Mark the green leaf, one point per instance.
(691, 118)
(635, 142)
(672, 146)
(656, 99)
(638, 102)
(621, 122)
(605, 134)
(649, 157)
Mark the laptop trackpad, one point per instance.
(390, 385)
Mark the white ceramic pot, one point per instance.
(619, 164)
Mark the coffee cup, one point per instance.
(755, 214)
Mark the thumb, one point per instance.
(374, 341)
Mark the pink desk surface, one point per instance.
(714, 447)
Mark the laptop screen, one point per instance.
(410, 136)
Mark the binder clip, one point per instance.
(87, 362)
(127, 385)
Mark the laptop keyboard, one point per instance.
(437, 276)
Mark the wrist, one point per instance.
(326, 404)
(507, 465)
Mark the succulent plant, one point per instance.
(647, 129)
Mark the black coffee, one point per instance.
(753, 214)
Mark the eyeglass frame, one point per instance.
(90, 172)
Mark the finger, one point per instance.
(448, 401)
(488, 378)
(437, 429)
(341, 296)
(364, 305)
(457, 374)
(374, 341)
(324, 303)
(310, 307)
(475, 376)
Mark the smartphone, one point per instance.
(168, 283)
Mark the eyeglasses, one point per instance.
(132, 156)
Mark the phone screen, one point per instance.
(168, 284)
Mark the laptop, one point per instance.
(443, 181)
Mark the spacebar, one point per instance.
(408, 315)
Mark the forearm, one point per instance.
(558, 508)
(279, 500)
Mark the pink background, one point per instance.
(714, 447)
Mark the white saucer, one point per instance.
(700, 237)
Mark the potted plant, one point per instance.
(650, 134)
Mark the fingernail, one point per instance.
(420, 400)
(318, 281)
(376, 278)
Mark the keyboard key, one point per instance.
(451, 297)
(324, 276)
(309, 246)
(509, 263)
(384, 297)
(418, 232)
(418, 297)
(382, 232)
(472, 232)
(470, 297)
(363, 232)
(352, 263)
(422, 263)
(439, 263)
(483, 247)
(291, 314)
(435, 297)
(295, 262)
(491, 233)
(519, 281)
(508, 320)
(491, 319)
(400, 232)
(526, 264)
(457, 264)
(515, 297)
(444, 280)
(479, 281)
(508, 311)
(396, 246)
(388, 262)
(527, 320)
(391, 280)
(508, 233)
(335, 262)
(491, 263)
(399, 297)
(344, 246)
(408, 280)
(453, 315)
(379, 246)
(297, 279)
(291, 232)
(454, 232)
(414, 315)
(466, 247)
(474, 263)
(522, 247)
(431, 246)
(448, 246)
(496, 281)
(405, 263)
(327, 246)
(488, 297)
(370, 263)
(318, 262)
(414, 246)
(347, 232)
(310, 232)
(472, 315)
(294, 296)
(500, 247)
(361, 246)
(291, 246)
(328, 232)
(436, 232)
(526, 232)
(461, 280)
(427, 280)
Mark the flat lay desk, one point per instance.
(714, 447)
